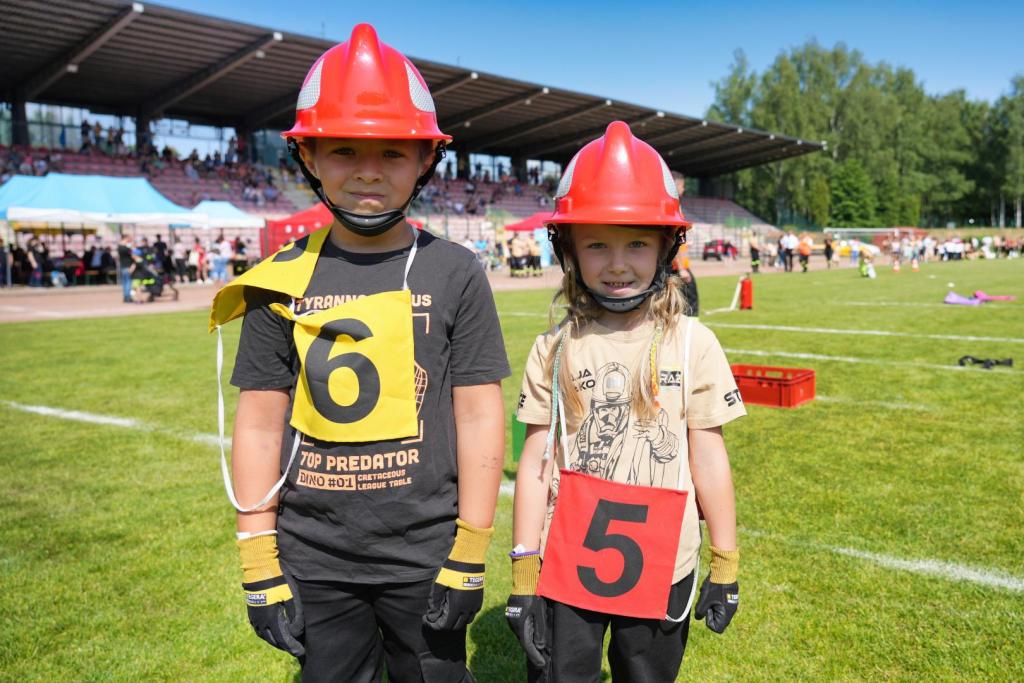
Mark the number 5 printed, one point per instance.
(598, 538)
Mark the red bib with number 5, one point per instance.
(611, 547)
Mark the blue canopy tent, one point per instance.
(63, 198)
(16, 191)
(227, 215)
(69, 203)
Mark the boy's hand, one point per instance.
(526, 611)
(458, 590)
(720, 592)
(273, 603)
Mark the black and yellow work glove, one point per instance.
(274, 608)
(526, 611)
(720, 593)
(458, 590)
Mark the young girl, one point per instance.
(638, 392)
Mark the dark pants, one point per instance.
(179, 269)
(645, 650)
(789, 260)
(354, 630)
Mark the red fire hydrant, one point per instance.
(746, 294)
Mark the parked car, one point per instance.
(717, 249)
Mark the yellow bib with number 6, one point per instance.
(357, 376)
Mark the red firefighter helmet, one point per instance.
(365, 89)
(618, 179)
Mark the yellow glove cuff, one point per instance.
(525, 575)
(470, 543)
(259, 558)
(464, 568)
(725, 565)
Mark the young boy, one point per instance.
(378, 351)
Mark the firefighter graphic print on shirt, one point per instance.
(611, 443)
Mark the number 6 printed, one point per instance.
(319, 366)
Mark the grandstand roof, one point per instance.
(127, 58)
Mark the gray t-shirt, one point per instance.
(387, 512)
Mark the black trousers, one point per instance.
(355, 631)
(640, 651)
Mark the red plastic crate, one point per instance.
(765, 385)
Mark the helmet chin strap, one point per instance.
(622, 304)
(365, 224)
(625, 304)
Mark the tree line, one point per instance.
(895, 156)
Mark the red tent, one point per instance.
(297, 226)
(537, 220)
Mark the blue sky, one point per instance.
(664, 54)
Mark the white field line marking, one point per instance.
(865, 361)
(911, 304)
(113, 421)
(871, 333)
(78, 416)
(32, 311)
(890, 405)
(945, 570)
(942, 569)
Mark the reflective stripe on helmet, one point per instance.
(310, 93)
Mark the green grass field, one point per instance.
(880, 526)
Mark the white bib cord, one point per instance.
(296, 435)
(412, 257)
(685, 453)
(220, 439)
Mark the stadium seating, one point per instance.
(172, 182)
(458, 207)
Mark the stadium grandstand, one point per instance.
(146, 63)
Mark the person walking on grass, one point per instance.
(804, 247)
(377, 348)
(636, 394)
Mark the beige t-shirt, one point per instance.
(608, 440)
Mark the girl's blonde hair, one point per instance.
(576, 308)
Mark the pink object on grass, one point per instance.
(956, 299)
(982, 296)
